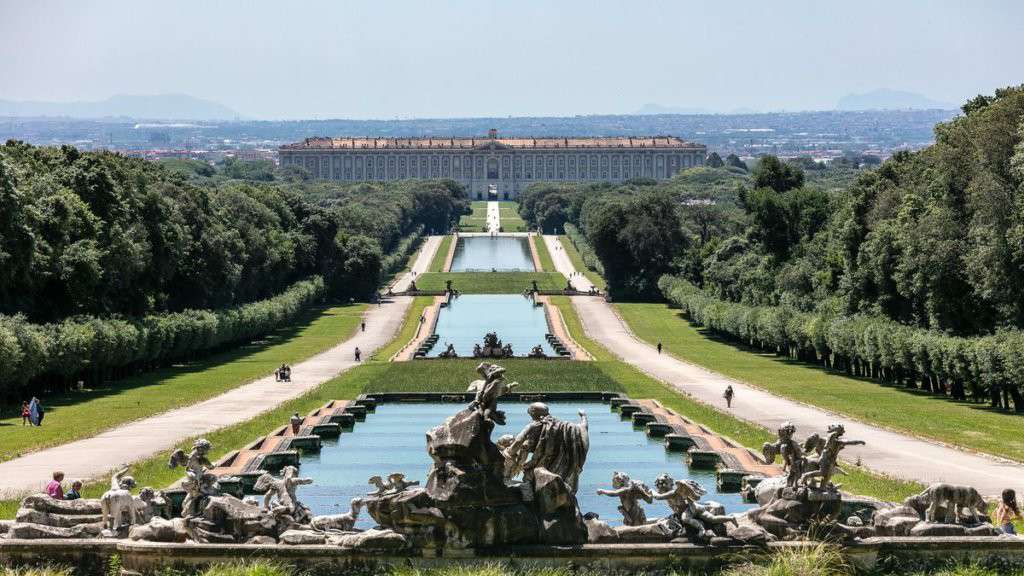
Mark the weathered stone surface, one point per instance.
(598, 531)
(749, 535)
(936, 529)
(26, 531)
(5, 526)
(333, 522)
(262, 540)
(373, 540)
(32, 516)
(895, 521)
(300, 537)
(767, 489)
(44, 503)
(160, 530)
(984, 530)
(896, 525)
(654, 532)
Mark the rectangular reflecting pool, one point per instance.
(393, 440)
(487, 253)
(513, 317)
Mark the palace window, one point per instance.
(492, 168)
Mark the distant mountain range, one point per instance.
(885, 99)
(652, 109)
(153, 107)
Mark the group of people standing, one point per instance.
(284, 373)
(32, 412)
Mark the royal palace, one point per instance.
(504, 166)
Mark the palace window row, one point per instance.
(611, 166)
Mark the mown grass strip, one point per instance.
(477, 221)
(577, 262)
(914, 412)
(441, 256)
(409, 325)
(511, 221)
(546, 263)
(75, 415)
(491, 282)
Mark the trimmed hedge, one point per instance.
(984, 367)
(395, 261)
(62, 350)
(583, 247)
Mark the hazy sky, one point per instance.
(432, 58)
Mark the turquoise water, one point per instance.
(392, 440)
(486, 253)
(469, 317)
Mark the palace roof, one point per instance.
(486, 143)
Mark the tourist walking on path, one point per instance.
(1007, 511)
(54, 489)
(728, 396)
(76, 491)
(659, 346)
(358, 354)
(26, 414)
(362, 325)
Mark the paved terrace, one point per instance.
(891, 453)
(95, 457)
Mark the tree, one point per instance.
(734, 161)
(772, 173)
(714, 160)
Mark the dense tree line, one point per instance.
(99, 348)
(982, 368)
(96, 248)
(98, 233)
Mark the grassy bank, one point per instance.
(638, 385)
(964, 424)
(578, 264)
(546, 263)
(510, 219)
(532, 375)
(77, 415)
(477, 221)
(491, 282)
(441, 256)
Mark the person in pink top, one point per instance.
(54, 489)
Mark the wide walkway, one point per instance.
(96, 456)
(887, 452)
(493, 217)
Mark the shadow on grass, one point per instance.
(241, 353)
(916, 393)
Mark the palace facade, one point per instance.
(502, 165)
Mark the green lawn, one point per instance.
(477, 221)
(577, 262)
(491, 282)
(972, 426)
(441, 256)
(533, 376)
(510, 219)
(605, 373)
(408, 330)
(638, 385)
(78, 415)
(546, 263)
